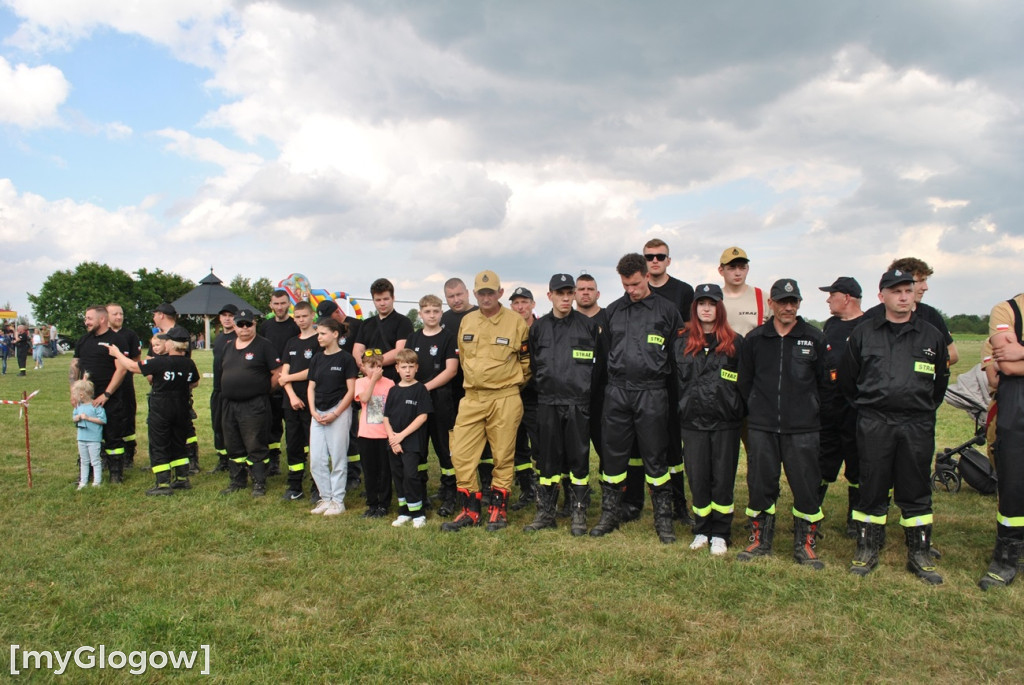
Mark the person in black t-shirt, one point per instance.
(115, 316)
(349, 332)
(226, 336)
(250, 369)
(386, 332)
(278, 330)
(405, 419)
(92, 360)
(297, 356)
(438, 362)
(173, 376)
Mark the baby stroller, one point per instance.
(954, 465)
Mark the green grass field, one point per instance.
(282, 596)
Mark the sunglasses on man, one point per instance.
(659, 256)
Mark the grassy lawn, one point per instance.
(282, 596)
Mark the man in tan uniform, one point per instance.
(746, 306)
(495, 359)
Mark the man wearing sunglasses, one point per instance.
(250, 370)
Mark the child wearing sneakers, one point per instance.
(331, 387)
(90, 421)
(405, 420)
(372, 391)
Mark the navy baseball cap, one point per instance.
(785, 289)
(894, 277)
(561, 282)
(844, 284)
(520, 292)
(710, 291)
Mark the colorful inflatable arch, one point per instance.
(298, 288)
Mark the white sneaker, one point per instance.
(699, 542)
(718, 547)
(419, 522)
(401, 521)
(321, 507)
(97, 483)
(81, 486)
(334, 508)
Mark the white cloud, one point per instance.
(31, 96)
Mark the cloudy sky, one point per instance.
(420, 140)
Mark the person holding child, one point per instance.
(90, 421)
(331, 387)
(405, 419)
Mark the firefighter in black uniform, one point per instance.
(895, 372)
(250, 371)
(565, 350)
(115, 317)
(528, 435)
(295, 361)
(278, 330)
(225, 337)
(642, 332)
(174, 376)
(782, 377)
(838, 416)
(1003, 359)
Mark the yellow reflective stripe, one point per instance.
(916, 521)
(296, 467)
(655, 339)
(129, 438)
(585, 480)
(415, 506)
(853, 485)
(723, 508)
(523, 467)
(660, 480)
(813, 518)
(274, 446)
(1010, 521)
(242, 460)
(222, 453)
(487, 461)
(583, 354)
(447, 472)
(160, 468)
(305, 450)
(613, 480)
(729, 375)
(867, 518)
(554, 480)
(352, 460)
(180, 462)
(702, 511)
(119, 450)
(636, 462)
(924, 367)
(421, 467)
(191, 440)
(754, 513)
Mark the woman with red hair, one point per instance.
(710, 413)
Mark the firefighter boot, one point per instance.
(497, 510)
(193, 458)
(163, 484)
(239, 474)
(1003, 568)
(680, 512)
(485, 472)
(566, 510)
(919, 559)
(527, 489)
(469, 514)
(762, 532)
(661, 502)
(852, 502)
(805, 538)
(129, 454)
(869, 543)
(222, 464)
(611, 500)
(259, 478)
(180, 480)
(580, 498)
(116, 466)
(547, 496)
(447, 496)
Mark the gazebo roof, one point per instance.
(208, 298)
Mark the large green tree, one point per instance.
(65, 295)
(257, 293)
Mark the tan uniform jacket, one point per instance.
(494, 353)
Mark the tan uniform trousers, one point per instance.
(484, 418)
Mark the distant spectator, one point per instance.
(53, 340)
(37, 348)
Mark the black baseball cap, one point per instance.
(520, 292)
(561, 282)
(245, 316)
(895, 277)
(326, 308)
(229, 308)
(711, 291)
(166, 308)
(176, 334)
(844, 284)
(785, 289)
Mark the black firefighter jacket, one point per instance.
(567, 356)
(709, 394)
(783, 378)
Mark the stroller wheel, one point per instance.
(946, 480)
